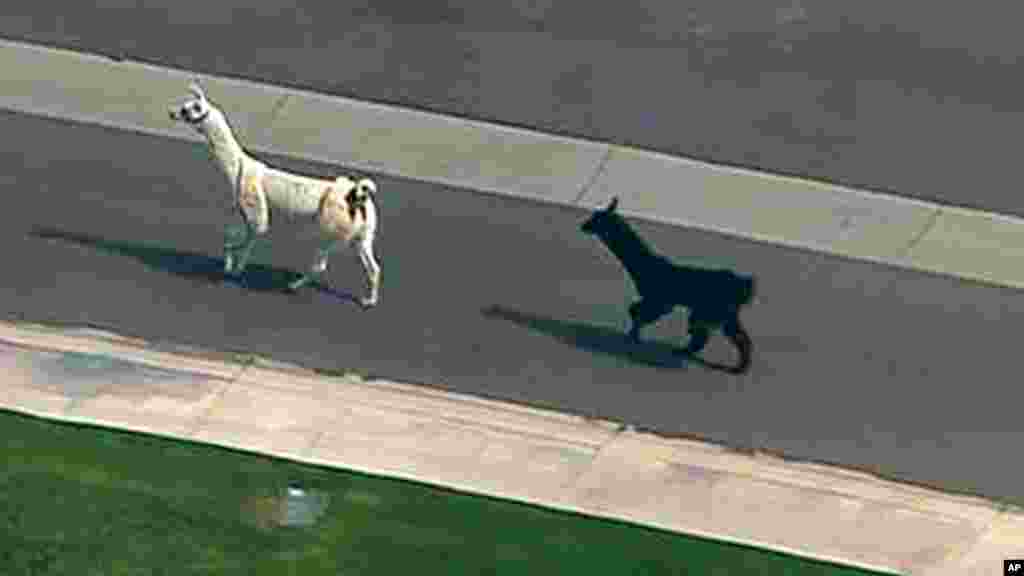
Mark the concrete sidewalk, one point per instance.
(504, 450)
(787, 211)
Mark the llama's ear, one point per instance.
(196, 90)
(613, 204)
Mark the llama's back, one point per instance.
(293, 195)
(711, 288)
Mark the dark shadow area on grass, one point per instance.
(199, 267)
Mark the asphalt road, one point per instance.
(858, 364)
(920, 99)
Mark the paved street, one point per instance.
(854, 363)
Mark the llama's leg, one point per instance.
(646, 311)
(700, 323)
(317, 270)
(736, 334)
(245, 252)
(372, 269)
(253, 206)
(235, 237)
(699, 332)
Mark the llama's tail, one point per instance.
(376, 209)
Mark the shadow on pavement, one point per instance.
(604, 340)
(257, 277)
(599, 339)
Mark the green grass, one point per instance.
(90, 501)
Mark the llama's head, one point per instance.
(363, 191)
(601, 220)
(196, 110)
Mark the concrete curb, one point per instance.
(487, 447)
(902, 232)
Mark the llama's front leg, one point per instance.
(244, 253)
(317, 270)
(643, 312)
(634, 326)
(235, 238)
(238, 251)
(252, 205)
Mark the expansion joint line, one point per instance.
(593, 178)
(925, 230)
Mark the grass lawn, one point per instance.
(89, 501)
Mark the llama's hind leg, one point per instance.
(699, 332)
(734, 331)
(317, 270)
(646, 311)
(699, 325)
(372, 270)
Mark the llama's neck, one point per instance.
(631, 250)
(226, 150)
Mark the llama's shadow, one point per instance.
(198, 267)
(602, 340)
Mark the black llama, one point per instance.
(713, 297)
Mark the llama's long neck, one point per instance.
(224, 146)
(631, 250)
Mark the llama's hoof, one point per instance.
(738, 370)
(367, 303)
